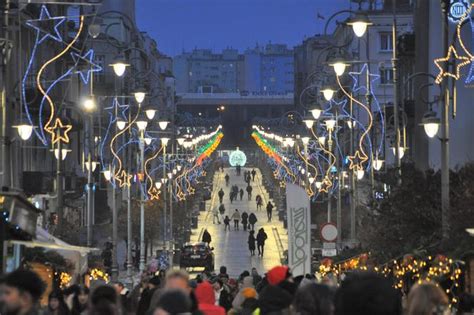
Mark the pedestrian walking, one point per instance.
(269, 210)
(235, 189)
(215, 215)
(80, 301)
(251, 242)
(221, 195)
(21, 292)
(226, 223)
(254, 172)
(261, 238)
(236, 217)
(245, 218)
(252, 221)
(206, 237)
(56, 304)
(249, 191)
(222, 211)
(231, 196)
(259, 201)
(227, 177)
(238, 168)
(241, 192)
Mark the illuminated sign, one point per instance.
(457, 9)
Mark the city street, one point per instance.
(230, 247)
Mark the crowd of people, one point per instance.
(275, 293)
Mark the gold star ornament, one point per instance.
(59, 131)
(124, 179)
(357, 160)
(452, 58)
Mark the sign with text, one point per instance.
(299, 230)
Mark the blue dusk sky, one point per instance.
(217, 24)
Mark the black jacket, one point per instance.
(252, 218)
(274, 300)
(261, 238)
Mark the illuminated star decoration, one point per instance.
(62, 134)
(85, 65)
(357, 160)
(452, 54)
(124, 179)
(47, 26)
(118, 109)
(154, 193)
(325, 185)
(364, 72)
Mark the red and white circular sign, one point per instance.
(329, 232)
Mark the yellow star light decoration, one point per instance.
(452, 54)
(325, 185)
(124, 179)
(357, 160)
(154, 193)
(59, 131)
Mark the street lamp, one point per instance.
(24, 131)
(107, 174)
(150, 113)
(359, 24)
(163, 124)
(63, 153)
(89, 104)
(121, 123)
(158, 185)
(339, 65)
(308, 121)
(139, 95)
(360, 174)
(119, 65)
(180, 140)
(88, 165)
(377, 164)
(330, 123)
(430, 123)
(141, 124)
(328, 93)
(305, 140)
(401, 151)
(164, 141)
(322, 140)
(316, 110)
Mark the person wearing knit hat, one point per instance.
(278, 274)
(249, 293)
(277, 296)
(247, 283)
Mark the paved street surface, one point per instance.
(230, 247)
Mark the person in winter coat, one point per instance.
(252, 220)
(247, 283)
(56, 304)
(173, 301)
(259, 202)
(236, 217)
(254, 172)
(206, 299)
(249, 191)
(245, 218)
(206, 237)
(222, 211)
(147, 294)
(269, 211)
(221, 195)
(251, 242)
(226, 223)
(221, 295)
(241, 193)
(261, 238)
(227, 179)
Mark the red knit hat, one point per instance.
(277, 274)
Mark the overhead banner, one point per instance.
(299, 229)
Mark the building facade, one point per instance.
(267, 69)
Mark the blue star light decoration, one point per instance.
(117, 108)
(85, 65)
(47, 26)
(364, 72)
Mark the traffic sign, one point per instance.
(329, 252)
(329, 232)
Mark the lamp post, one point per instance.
(90, 106)
(142, 126)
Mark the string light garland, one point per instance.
(206, 150)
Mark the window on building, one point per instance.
(386, 42)
(386, 76)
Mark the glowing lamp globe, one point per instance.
(328, 93)
(359, 24)
(119, 66)
(107, 175)
(378, 163)
(164, 141)
(139, 96)
(141, 124)
(163, 124)
(360, 174)
(401, 151)
(237, 157)
(121, 124)
(158, 185)
(150, 113)
(430, 123)
(24, 131)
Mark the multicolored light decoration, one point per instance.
(206, 150)
(266, 147)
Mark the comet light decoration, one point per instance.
(206, 150)
(467, 14)
(48, 30)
